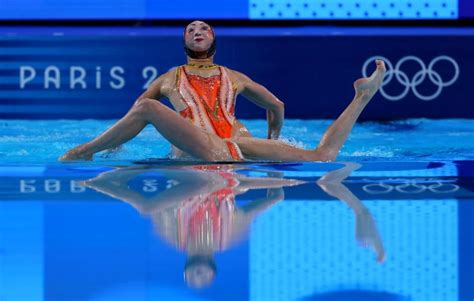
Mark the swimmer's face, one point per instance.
(199, 275)
(198, 36)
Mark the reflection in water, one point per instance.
(410, 186)
(197, 211)
(366, 231)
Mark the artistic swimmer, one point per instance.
(203, 125)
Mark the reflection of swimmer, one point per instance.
(366, 230)
(205, 128)
(198, 213)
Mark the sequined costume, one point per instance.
(208, 219)
(210, 104)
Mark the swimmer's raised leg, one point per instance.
(337, 133)
(333, 138)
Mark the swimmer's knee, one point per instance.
(144, 105)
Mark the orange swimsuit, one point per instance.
(210, 104)
(209, 216)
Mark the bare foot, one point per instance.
(367, 234)
(368, 86)
(77, 153)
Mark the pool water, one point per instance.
(450, 139)
(392, 219)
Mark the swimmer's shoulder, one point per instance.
(172, 73)
(238, 78)
(168, 79)
(162, 86)
(232, 72)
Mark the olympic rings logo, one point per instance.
(413, 83)
(410, 186)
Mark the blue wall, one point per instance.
(466, 9)
(121, 9)
(233, 9)
(94, 76)
(354, 9)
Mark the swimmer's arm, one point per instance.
(259, 95)
(159, 88)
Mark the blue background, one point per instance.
(466, 9)
(233, 9)
(121, 9)
(311, 70)
(353, 9)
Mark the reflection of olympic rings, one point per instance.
(409, 186)
(417, 79)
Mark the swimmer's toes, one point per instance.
(368, 86)
(381, 256)
(380, 64)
